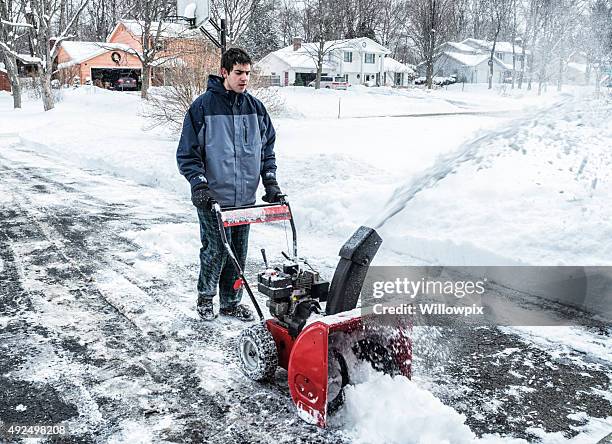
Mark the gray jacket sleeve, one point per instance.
(190, 151)
(268, 159)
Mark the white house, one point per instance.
(503, 51)
(469, 60)
(397, 73)
(359, 61)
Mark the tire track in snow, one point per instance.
(59, 228)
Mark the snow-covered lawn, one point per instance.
(530, 185)
(527, 181)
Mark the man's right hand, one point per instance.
(201, 198)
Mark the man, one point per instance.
(226, 144)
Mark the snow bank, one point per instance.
(534, 191)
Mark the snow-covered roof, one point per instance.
(2, 68)
(467, 59)
(135, 27)
(169, 62)
(392, 65)
(580, 67)
(461, 47)
(363, 44)
(305, 56)
(27, 58)
(499, 46)
(82, 51)
(296, 60)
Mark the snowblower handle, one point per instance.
(257, 214)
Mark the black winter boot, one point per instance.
(205, 309)
(240, 311)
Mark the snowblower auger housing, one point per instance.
(319, 352)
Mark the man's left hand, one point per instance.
(273, 192)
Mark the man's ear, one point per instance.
(224, 73)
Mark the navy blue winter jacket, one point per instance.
(228, 142)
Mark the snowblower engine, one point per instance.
(294, 293)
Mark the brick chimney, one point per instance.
(297, 43)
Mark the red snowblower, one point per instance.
(318, 348)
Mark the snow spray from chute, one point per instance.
(449, 163)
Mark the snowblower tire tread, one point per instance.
(257, 355)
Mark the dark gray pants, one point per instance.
(216, 268)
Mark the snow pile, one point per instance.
(395, 410)
(390, 410)
(534, 191)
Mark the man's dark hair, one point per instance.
(235, 56)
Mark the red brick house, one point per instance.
(103, 63)
(5, 85)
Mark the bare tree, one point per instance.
(149, 15)
(237, 14)
(430, 23)
(318, 14)
(559, 19)
(599, 42)
(289, 21)
(499, 11)
(100, 17)
(167, 107)
(392, 17)
(513, 12)
(12, 29)
(43, 14)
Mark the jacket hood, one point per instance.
(215, 84)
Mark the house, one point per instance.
(103, 63)
(503, 50)
(27, 65)
(5, 84)
(469, 61)
(96, 62)
(359, 61)
(397, 73)
(578, 69)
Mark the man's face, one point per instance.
(238, 78)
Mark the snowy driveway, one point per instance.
(98, 332)
(90, 340)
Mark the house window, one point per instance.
(348, 56)
(369, 57)
(499, 55)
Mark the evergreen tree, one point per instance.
(261, 36)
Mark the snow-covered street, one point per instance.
(98, 264)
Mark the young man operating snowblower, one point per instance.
(227, 142)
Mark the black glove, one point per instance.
(273, 192)
(201, 198)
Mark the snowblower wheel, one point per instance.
(257, 353)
